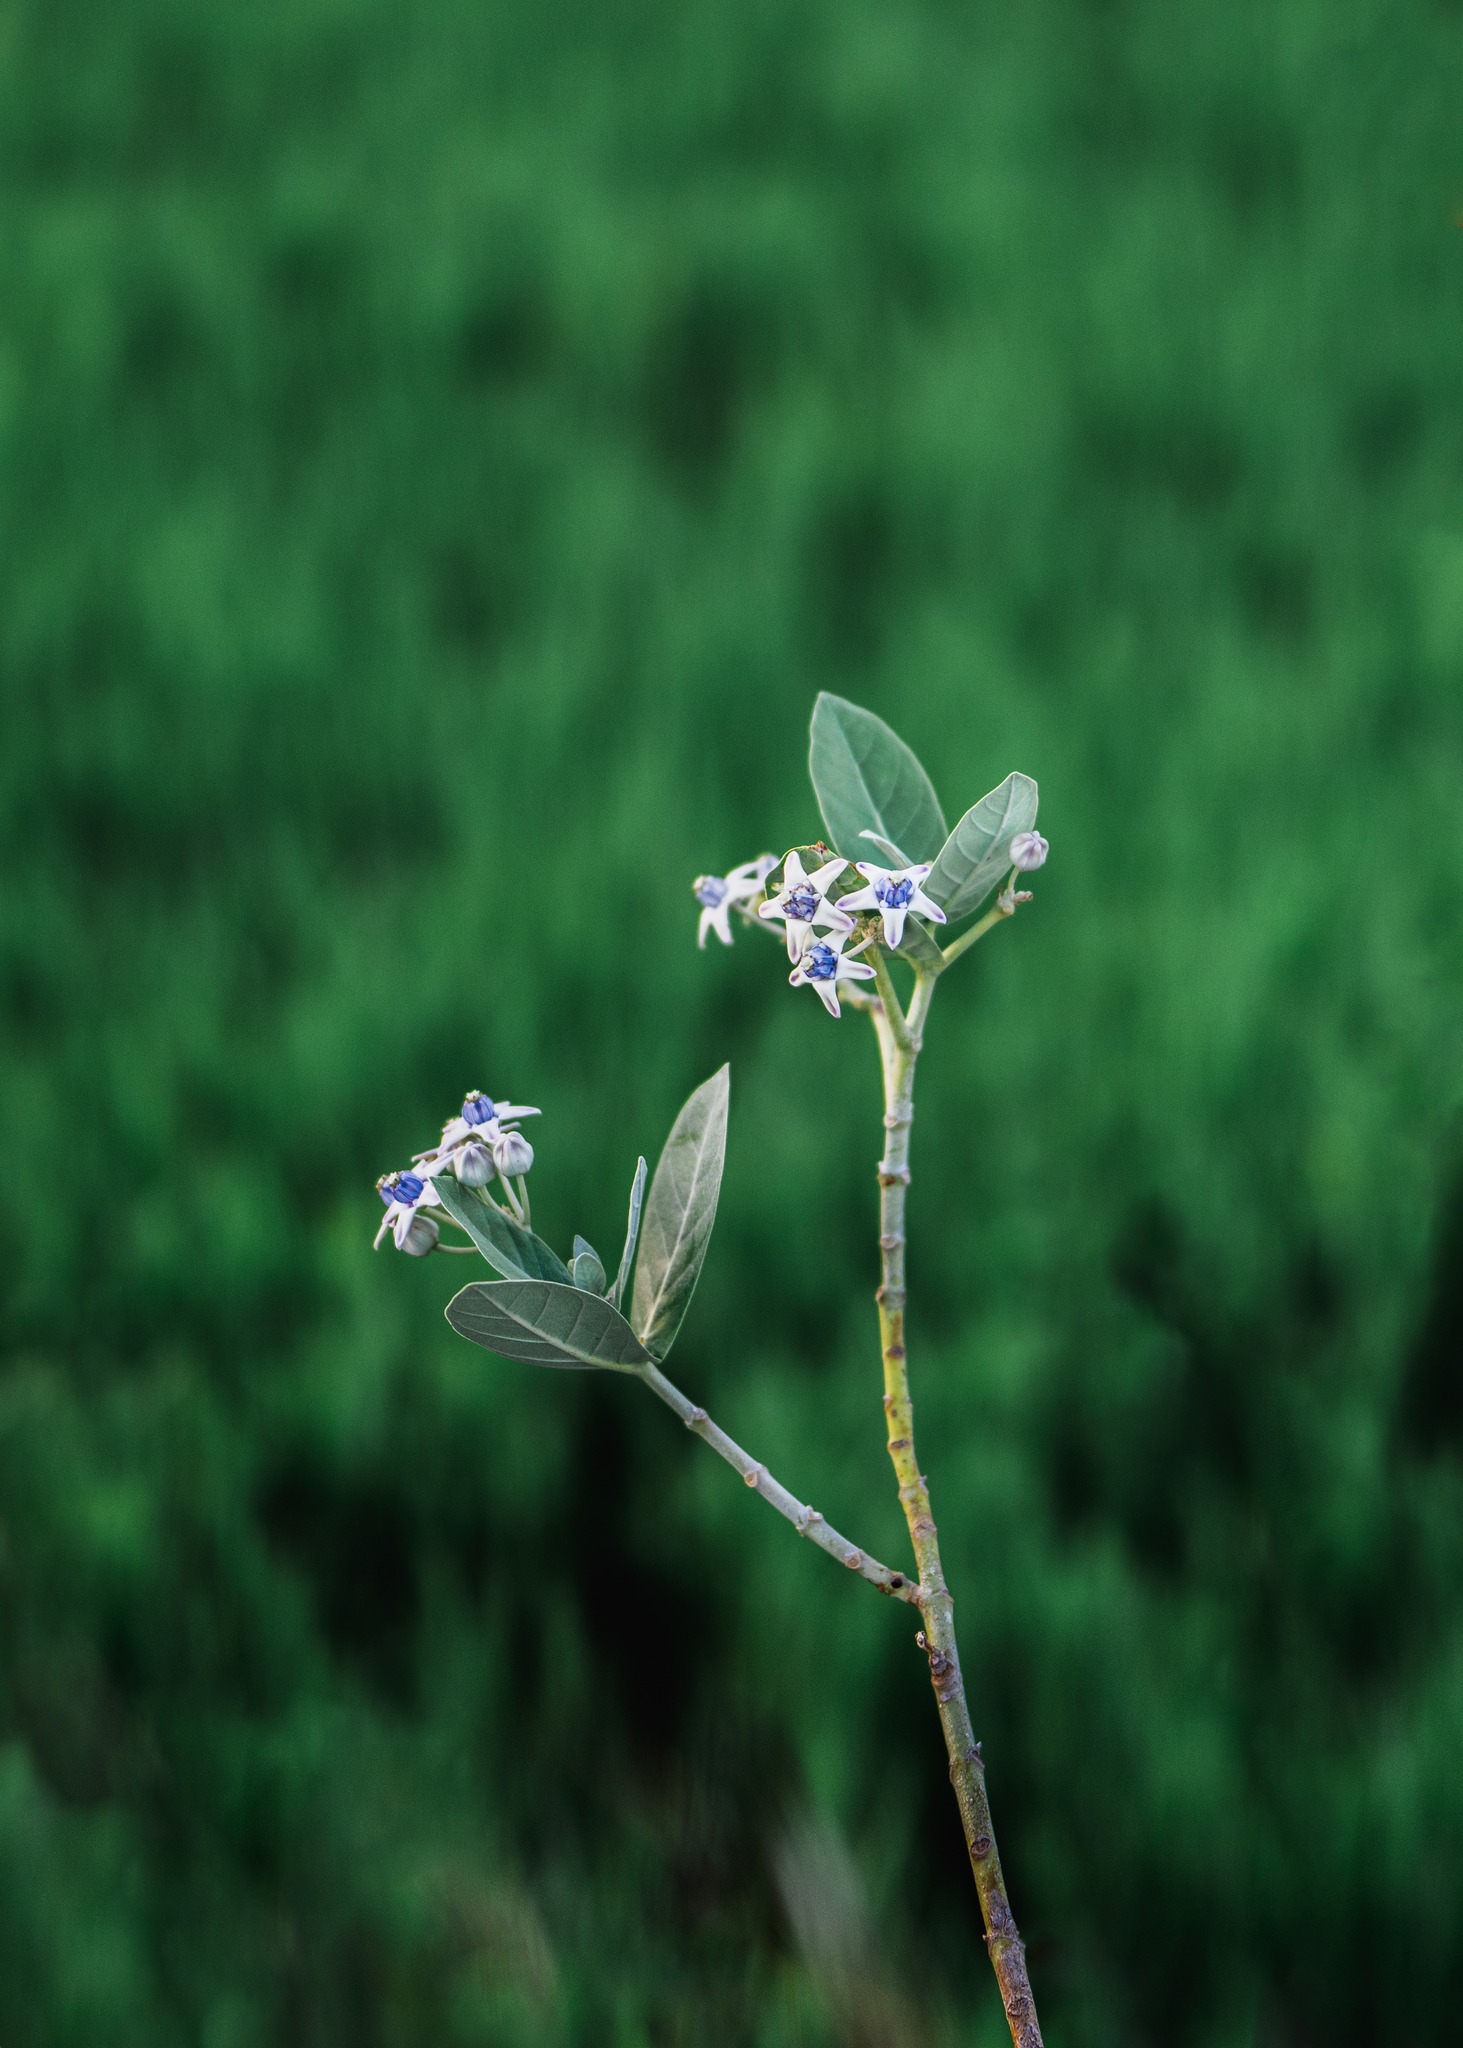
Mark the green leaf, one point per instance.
(976, 854)
(508, 1247)
(544, 1323)
(632, 1234)
(588, 1267)
(920, 948)
(867, 780)
(679, 1215)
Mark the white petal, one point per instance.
(792, 873)
(828, 991)
(923, 906)
(701, 928)
(894, 917)
(824, 877)
(798, 935)
(720, 924)
(385, 1226)
(859, 899)
(834, 916)
(918, 872)
(869, 869)
(772, 907)
(797, 977)
(854, 970)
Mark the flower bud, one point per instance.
(473, 1165)
(421, 1237)
(512, 1154)
(1028, 851)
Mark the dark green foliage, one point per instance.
(446, 450)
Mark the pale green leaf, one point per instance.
(977, 853)
(632, 1235)
(919, 947)
(587, 1267)
(679, 1214)
(544, 1323)
(508, 1247)
(867, 780)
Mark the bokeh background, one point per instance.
(445, 449)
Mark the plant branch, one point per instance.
(937, 1638)
(807, 1521)
(1003, 907)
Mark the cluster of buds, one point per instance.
(483, 1140)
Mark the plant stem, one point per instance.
(899, 1045)
(807, 1521)
(1002, 908)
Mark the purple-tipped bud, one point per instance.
(512, 1154)
(473, 1165)
(1028, 851)
(479, 1108)
(420, 1237)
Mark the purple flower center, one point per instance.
(801, 904)
(711, 891)
(820, 963)
(894, 894)
(403, 1187)
(479, 1108)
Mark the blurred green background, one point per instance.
(446, 448)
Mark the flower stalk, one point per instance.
(899, 1046)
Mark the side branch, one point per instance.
(806, 1520)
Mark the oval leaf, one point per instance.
(632, 1234)
(975, 856)
(588, 1267)
(544, 1323)
(507, 1246)
(867, 780)
(679, 1215)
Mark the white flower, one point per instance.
(802, 902)
(512, 1153)
(823, 967)
(1028, 851)
(467, 1140)
(894, 893)
(405, 1194)
(720, 895)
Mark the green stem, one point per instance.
(899, 1044)
(1003, 908)
(807, 1521)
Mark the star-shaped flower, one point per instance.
(894, 893)
(720, 895)
(802, 902)
(823, 966)
(469, 1143)
(405, 1196)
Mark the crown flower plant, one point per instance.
(847, 921)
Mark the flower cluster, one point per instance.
(483, 1140)
(720, 895)
(817, 922)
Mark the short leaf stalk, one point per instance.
(899, 1046)
(545, 1310)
